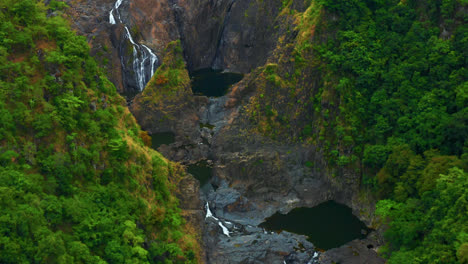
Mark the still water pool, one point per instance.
(213, 83)
(158, 139)
(201, 171)
(327, 225)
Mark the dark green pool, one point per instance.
(213, 83)
(158, 139)
(201, 171)
(328, 225)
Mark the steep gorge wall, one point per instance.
(273, 103)
(233, 35)
(258, 145)
(149, 23)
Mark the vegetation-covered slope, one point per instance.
(77, 183)
(381, 87)
(167, 103)
(168, 91)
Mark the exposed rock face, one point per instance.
(201, 26)
(234, 35)
(155, 22)
(256, 176)
(91, 19)
(150, 23)
(355, 252)
(232, 235)
(249, 36)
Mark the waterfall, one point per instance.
(225, 230)
(144, 59)
(209, 214)
(116, 8)
(111, 17)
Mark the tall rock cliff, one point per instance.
(234, 36)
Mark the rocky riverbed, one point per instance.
(253, 178)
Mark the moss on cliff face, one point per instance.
(285, 102)
(171, 80)
(168, 96)
(330, 82)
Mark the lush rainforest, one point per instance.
(77, 182)
(401, 71)
(388, 101)
(382, 87)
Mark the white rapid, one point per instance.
(144, 60)
(210, 215)
(314, 258)
(225, 230)
(208, 212)
(116, 10)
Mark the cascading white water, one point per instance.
(225, 230)
(111, 17)
(153, 57)
(141, 52)
(208, 212)
(210, 215)
(314, 258)
(116, 9)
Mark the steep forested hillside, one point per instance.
(382, 87)
(403, 78)
(77, 183)
(372, 94)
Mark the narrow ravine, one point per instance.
(303, 125)
(233, 213)
(249, 178)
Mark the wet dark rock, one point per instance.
(247, 243)
(249, 35)
(234, 35)
(259, 248)
(354, 252)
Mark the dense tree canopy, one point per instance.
(380, 86)
(403, 79)
(77, 183)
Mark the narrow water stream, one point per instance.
(328, 225)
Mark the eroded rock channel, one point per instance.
(244, 180)
(244, 176)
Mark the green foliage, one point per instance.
(402, 88)
(431, 229)
(396, 76)
(77, 185)
(381, 87)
